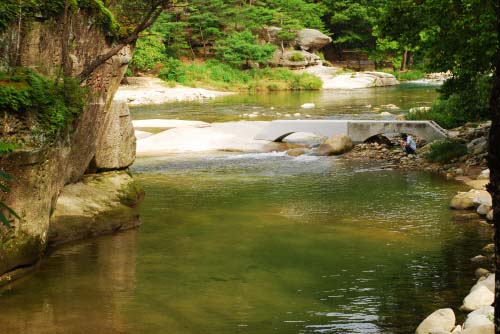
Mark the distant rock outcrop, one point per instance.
(312, 40)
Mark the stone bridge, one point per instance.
(358, 130)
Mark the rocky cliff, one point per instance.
(41, 173)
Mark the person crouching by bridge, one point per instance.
(408, 144)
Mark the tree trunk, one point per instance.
(494, 165)
(405, 60)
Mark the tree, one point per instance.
(494, 164)
(240, 50)
(352, 22)
(137, 16)
(463, 41)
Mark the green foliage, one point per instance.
(150, 51)
(296, 56)
(445, 151)
(173, 70)
(54, 102)
(216, 75)
(11, 10)
(6, 147)
(460, 102)
(408, 75)
(103, 16)
(4, 178)
(352, 22)
(240, 49)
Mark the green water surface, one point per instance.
(330, 104)
(260, 243)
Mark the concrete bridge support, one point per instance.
(358, 130)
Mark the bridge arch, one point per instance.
(358, 130)
(361, 131)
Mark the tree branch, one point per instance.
(153, 14)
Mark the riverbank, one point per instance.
(149, 90)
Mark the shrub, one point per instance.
(296, 56)
(216, 75)
(462, 100)
(444, 151)
(407, 75)
(54, 102)
(306, 81)
(7, 147)
(173, 70)
(240, 49)
(149, 52)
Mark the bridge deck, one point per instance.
(358, 130)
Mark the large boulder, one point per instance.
(479, 317)
(335, 145)
(304, 138)
(477, 298)
(286, 59)
(115, 149)
(488, 282)
(360, 80)
(483, 329)
(99, 204)
(478, 146)
(312, 39)
(441, 320)
(471, 199)
(462, 201)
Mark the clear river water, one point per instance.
(261, 243)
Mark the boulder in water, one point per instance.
(304, 138)
(335, 145)
(479, 297)
(441, 320)
(480, 317)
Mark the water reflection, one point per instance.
(82, 288)
(247, 245)
(333, 104)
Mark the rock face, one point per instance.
(306, 39)
(441, 320)
(360, 80)
(41, 174)
(335, 145)
(312, 39)
(100, 203)
(285, 59)
(116, 148)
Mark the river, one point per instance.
(261, 243)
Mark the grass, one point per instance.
(220, 76)
(407, 75)
(445, 151)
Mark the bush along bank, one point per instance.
(215, 75)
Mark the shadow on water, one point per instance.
(441, 280)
